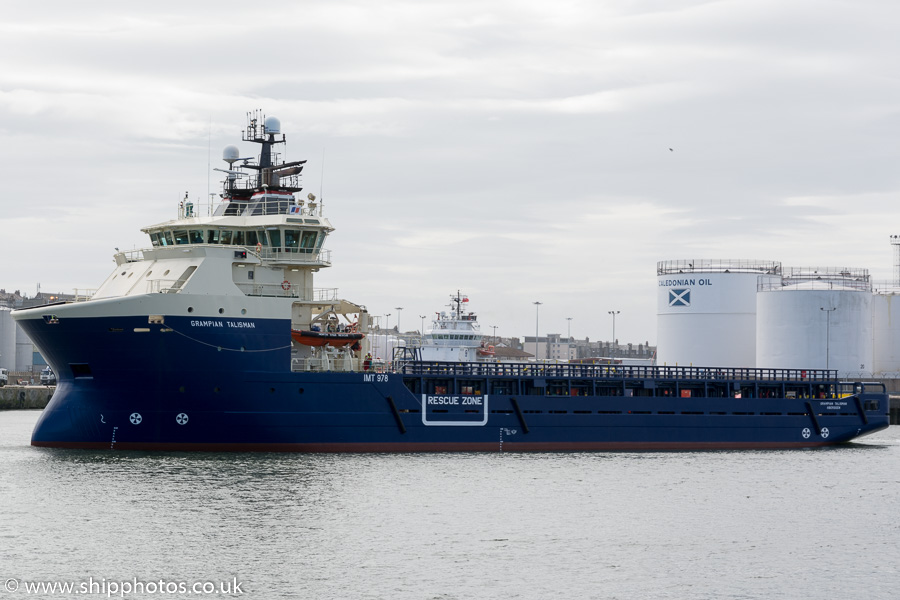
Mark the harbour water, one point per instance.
(750, 524)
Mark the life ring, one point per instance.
(259, 248)
(285, 285)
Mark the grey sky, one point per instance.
(517, 151)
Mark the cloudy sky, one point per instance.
(518, 151)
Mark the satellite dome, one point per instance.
(231, 154)
(273, 125)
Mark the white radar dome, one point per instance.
(231, 154)
(273, 125)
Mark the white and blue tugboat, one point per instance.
(215, 338)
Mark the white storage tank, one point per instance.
(24, 350)
(886, 331)
(7, 339)
(706, 311)
(816, 318)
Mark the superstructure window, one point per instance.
(167, 239)
(239, 238)
(196, 236)
(154, 239)
(225, 237)
(252, 238)
(181, 236)
(291, 240)
(308, 241)
(275, 239)
(213, 236)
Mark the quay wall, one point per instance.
(18, 397)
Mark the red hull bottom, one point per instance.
(439, 447)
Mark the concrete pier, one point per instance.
(18, 397)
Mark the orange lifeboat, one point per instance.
(325, 338)
(486, 351)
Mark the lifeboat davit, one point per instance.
(325, 338)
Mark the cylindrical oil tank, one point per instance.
(7, 339)
(706, 311)
(816, 318)
(24, 350)
(886, 331)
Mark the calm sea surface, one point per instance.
(767, 524)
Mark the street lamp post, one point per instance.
(399, 308)
(423, 326)
(494, 327)
(387, 343)
(614, 313)
(537, 310)
(569, 340)
(827, 312)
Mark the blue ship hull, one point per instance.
(214, 386)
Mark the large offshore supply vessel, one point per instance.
(215, 338)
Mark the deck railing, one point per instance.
(616, 372)
(281, 290)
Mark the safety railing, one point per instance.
(287, 290)
(724, 265)
(618, 372)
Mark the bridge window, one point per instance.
(275, 239)
(225, 236)
(308, 241)
(213, 236)
(252, 238)
(291, 240)
(239, 238)
(196, 236)
(181, 236)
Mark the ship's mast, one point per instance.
(458, 300)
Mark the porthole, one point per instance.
(243, 311)
(243, 349)
(149, 273)
(221, 311)
(217, 390)
(271, 390)
(129, 275)
(164, 274)
(300, 390)
(190, 309)
(123, 273)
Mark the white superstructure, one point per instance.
(456, 335)
(248, 264)
(706, 311)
